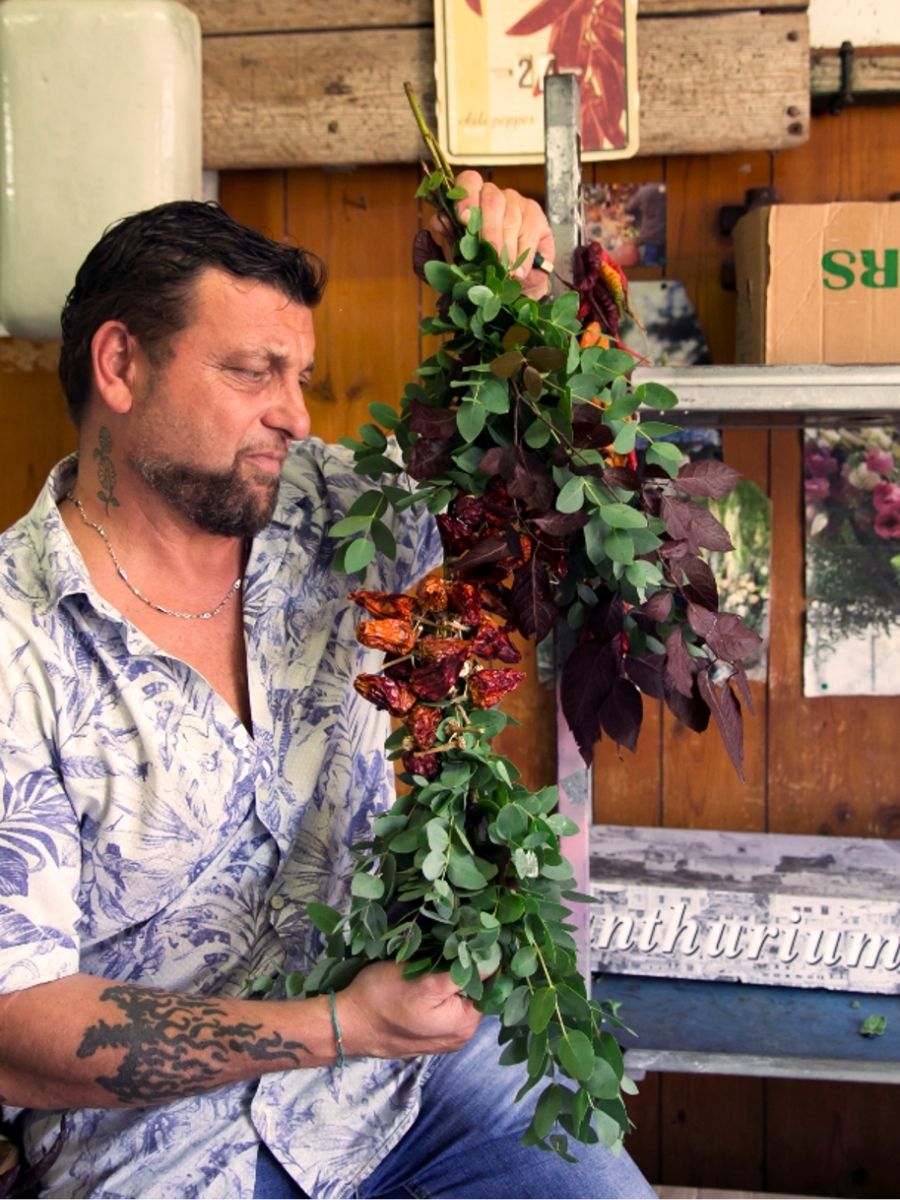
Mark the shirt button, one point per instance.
(241, 739)
(277, 902)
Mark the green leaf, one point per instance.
(457, 193)
(383, 539)
(576, 1055)
(623, 516)
(469, 246)
(537, 434)
(524, 962)
(643, 574)
(437, 835)
(470, 419)
(411, 942)
(373, 436)
(547, 1109)
(626, 438)
(510, 907)
(666, 455)
(479, 294)
(565, 307)
(603, 1081)
(458, 316)
(461, 974)
(655, 429)
(511, 822)
(571, 496)
(491, 308)
(433, 864)
(441, 275)
(349, 525)
(488, 958)
(369, 504)
(619, 547)
(358, 555)
(541, 1008)
(463, 872)
(384, 415)
(494, 395)
(516, 1006)
(369, 887)
(654, 395)
(325, 919)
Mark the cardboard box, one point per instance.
(790, 909)
(819, 283)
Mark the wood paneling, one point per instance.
(712, 1132)
(257, 16)
(707, 83)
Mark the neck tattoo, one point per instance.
(167, 612)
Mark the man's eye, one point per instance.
(249, 373)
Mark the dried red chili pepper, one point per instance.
(387, 694)
(421, 764)
(432, 595)
(438, 649)
(422, 723)
(437, 681)
(492, 642)
(385, 604)
(489, 685)
(387, 633)
(469, 510)
(455, 536)
(465, 600)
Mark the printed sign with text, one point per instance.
(492, 57)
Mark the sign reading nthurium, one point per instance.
(758, 908)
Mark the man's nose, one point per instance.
(290, 413)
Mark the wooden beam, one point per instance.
(298, 16)
(732, 81)
(876, 70)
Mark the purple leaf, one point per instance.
(557, 524)
(702, 581)
(487, 552)
(621, 713)
(658, 606)
(604, 620)
(622, 477)
(425, 248)
(695, 524)
(707, 477)
(429, 457)
(725, 633)
(589, 429)
(531, 599)
(726, 711)
(587, 677)
(531, 481)
(680, 667)
(740, 675)
(497, 461)
(647, 674)
(692, 710)
(430, 421)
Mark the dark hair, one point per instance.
(142, 270)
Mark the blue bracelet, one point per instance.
(337, 1030)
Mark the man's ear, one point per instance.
(114, 354)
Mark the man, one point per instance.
(185, 765)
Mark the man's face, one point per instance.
(210, 428)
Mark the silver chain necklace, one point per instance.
(167, 612)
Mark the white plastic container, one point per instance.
(101, 112)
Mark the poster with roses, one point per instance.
(852, 498)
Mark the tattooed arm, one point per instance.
(84, 1042)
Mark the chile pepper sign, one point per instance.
(491, 60)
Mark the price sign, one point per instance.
(491, 60)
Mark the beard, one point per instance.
(229, 503)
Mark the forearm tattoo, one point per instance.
(176, 1045)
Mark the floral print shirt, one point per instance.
(147, 837)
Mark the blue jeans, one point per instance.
(465, 1143)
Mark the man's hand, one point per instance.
(509, 221)
(383, 1015)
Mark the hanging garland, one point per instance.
(554, 500)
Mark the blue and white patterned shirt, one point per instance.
(147, 837)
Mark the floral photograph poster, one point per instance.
(852, 497)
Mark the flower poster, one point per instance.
(491, 60)
(852, 495)
(628, 220)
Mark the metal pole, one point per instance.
(562, 113)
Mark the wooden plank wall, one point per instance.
(813, 766)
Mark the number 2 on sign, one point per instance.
(546, 65)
